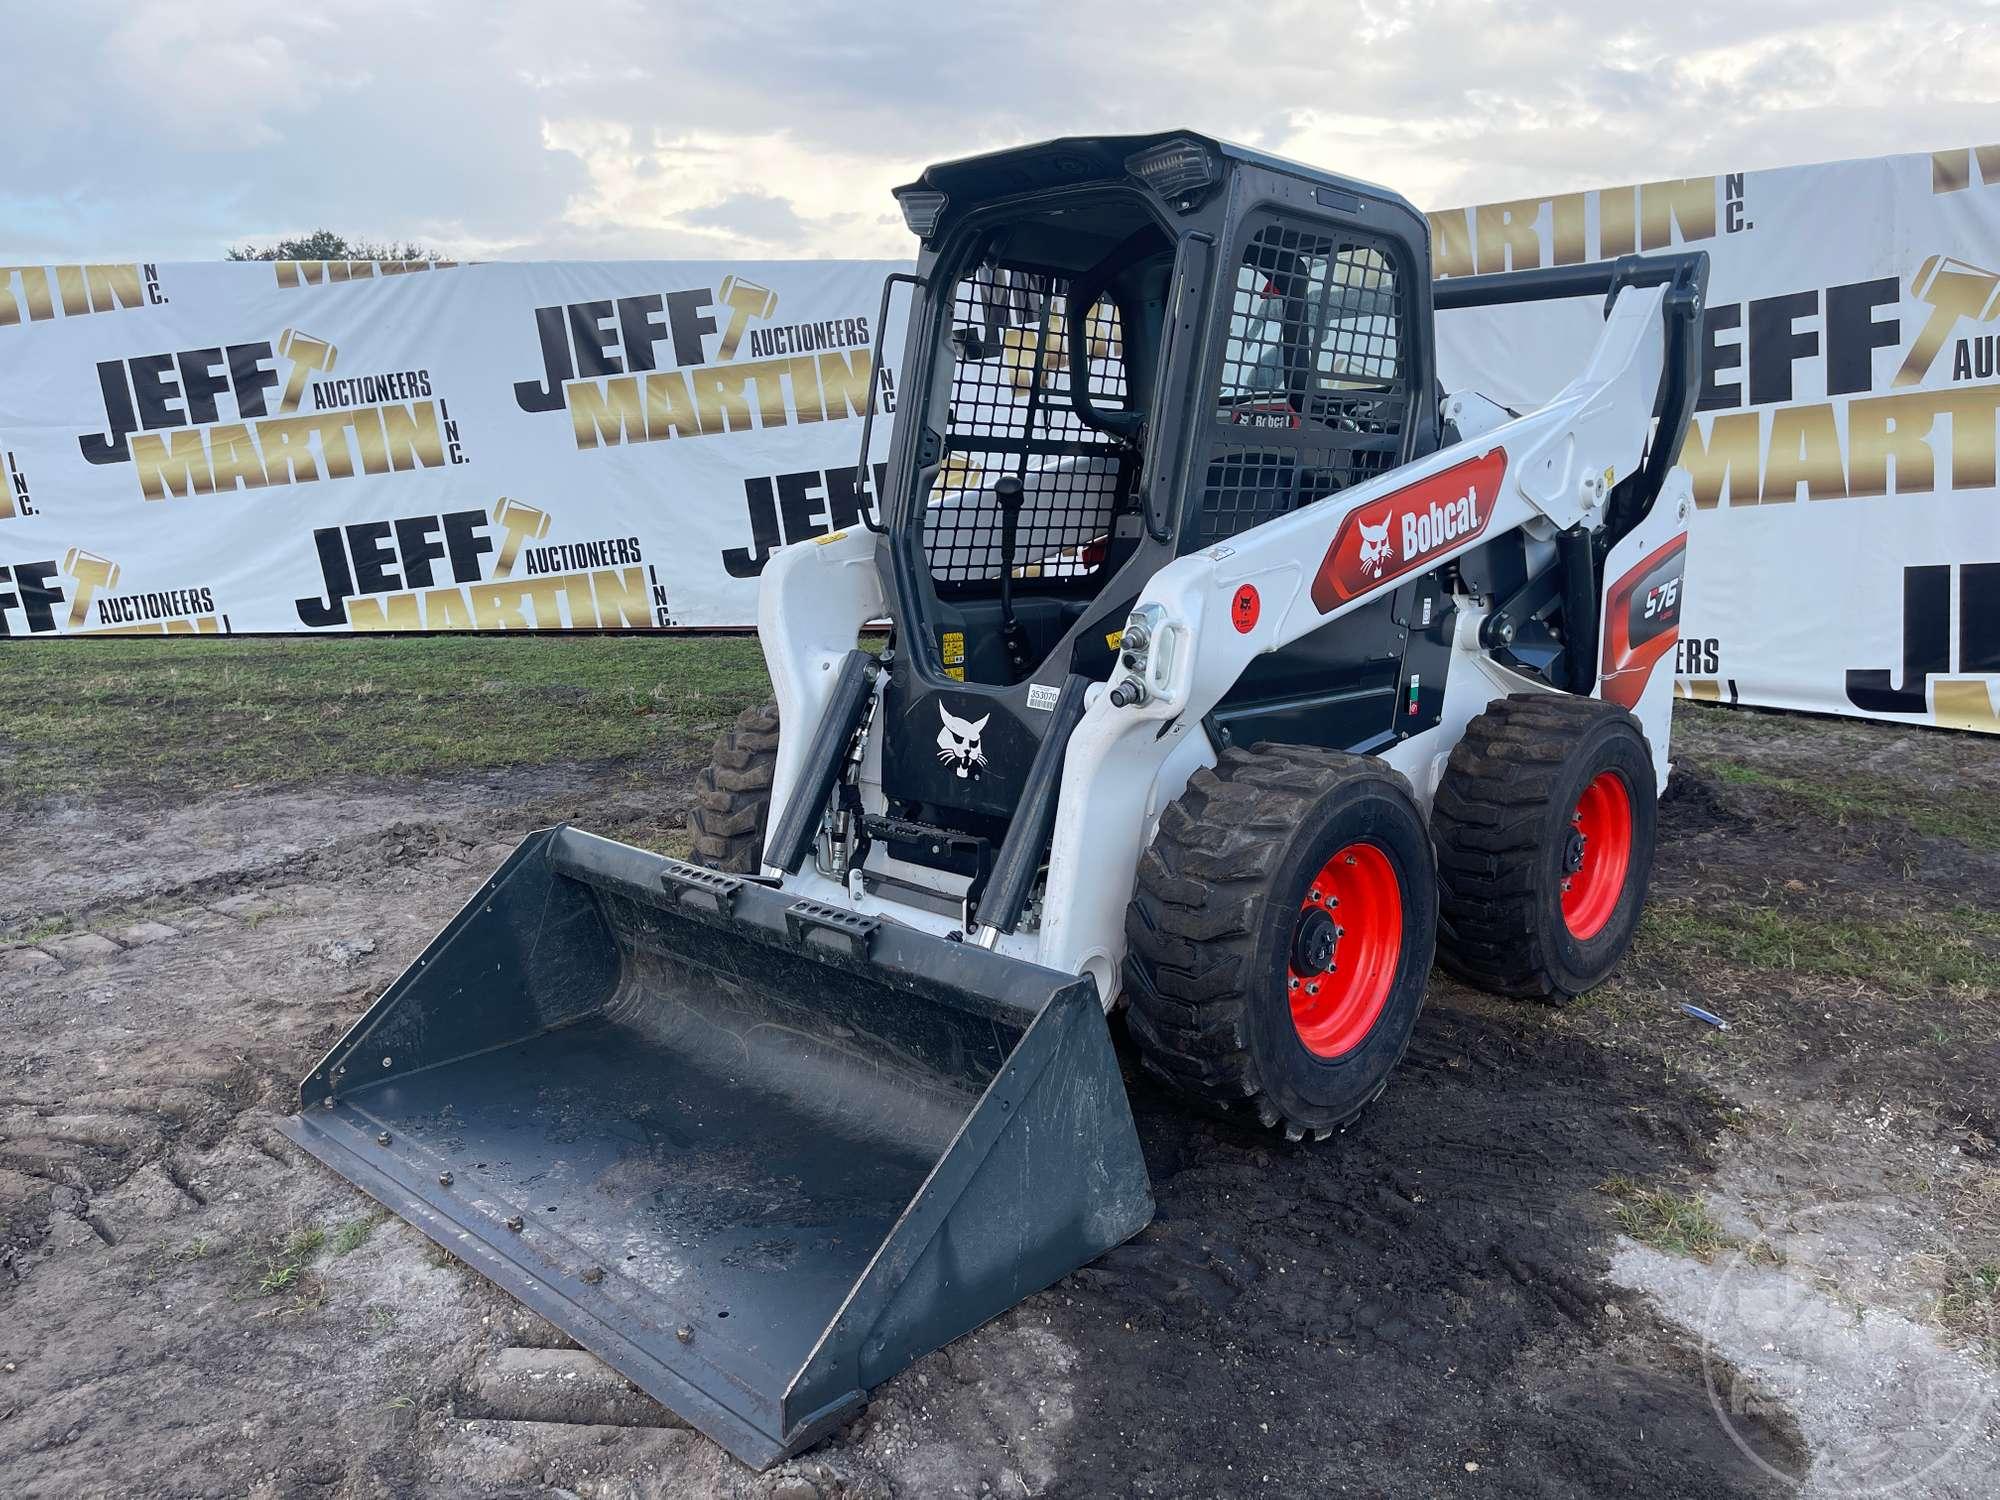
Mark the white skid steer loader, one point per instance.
(1234, 673)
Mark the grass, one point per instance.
(288, 1273)
(159, 718)
(1910, 952)
(1970, 1307)
(1678, 1223)
(352, 1235)
(1969, 819)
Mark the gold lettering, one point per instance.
(1973, 410)
(1890, 429)
(1805, 449)
(233, 460)
(113, 287)
(843, 380)
(622, 596)
(175, 465)
(412, 435)
(1567, 211)
(1507, 238)
(498, 607)
(1688, 202)
(613, 413)
(1617, 229)
(446, 609)
(383, 612)
(719, 400)
(669, 409)
(1451, 243)
(1724, 460)
(287, 445)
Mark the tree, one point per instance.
(324, 244)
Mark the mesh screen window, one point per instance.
(1011, 415)
(1313, 365)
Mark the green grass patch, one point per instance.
(1914, 951)
(352, 1235)
(168, 717)
(1677, 1223)
(1969, 819)
(1970, 1307)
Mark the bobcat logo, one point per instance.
(1375, 548)
(958, 744)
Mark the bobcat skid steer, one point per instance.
(1234, 672)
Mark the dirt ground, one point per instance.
(1610, 1249)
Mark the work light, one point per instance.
(1178, 169)
(923, 210)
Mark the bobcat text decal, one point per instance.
(1408, 529)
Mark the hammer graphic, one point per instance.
(522, 523)
(91, 573)
(1954, 289)
(745, 300)
(307, 355)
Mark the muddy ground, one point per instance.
(1605, 1250)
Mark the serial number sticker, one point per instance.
(1043, 696)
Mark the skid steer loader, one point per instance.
(1234, 670)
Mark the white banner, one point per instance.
(1845, 553)
(333, 446)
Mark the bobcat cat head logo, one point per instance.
(958, 743)
(1375, 548)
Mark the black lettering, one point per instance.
(332, 610)
(373, 561)
(1979, 617)
(37, 596)
(109, 447)
(1717, 356)
(1776, 344)
(250, 378)
(640, 330)
(1926, 647)
(685, 317)
(748, 563)
(548, 396)
(415, 546)
(201, 383)
(1853, 334)
(155, 392)
(594, 341)
(465, 540)
(801, 505)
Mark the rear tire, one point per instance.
(1280, 936)
(732, 797)
(1544, 822)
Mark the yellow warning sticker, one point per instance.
(951, 650)
(956, 674)
(1115, 639)
(831, 536)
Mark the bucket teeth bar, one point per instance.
(757, 1157)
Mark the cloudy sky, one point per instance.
(616, 128)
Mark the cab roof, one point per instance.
(1088, 158)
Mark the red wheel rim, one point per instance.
(1336, 1005)
(1598, 855)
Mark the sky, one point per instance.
(617, 129)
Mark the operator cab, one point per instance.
(1122, 350)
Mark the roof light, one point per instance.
(923, 210)
(1177, 169)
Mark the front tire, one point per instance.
(1280, 936)
(1544, 821)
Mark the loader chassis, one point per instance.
(1233, 669)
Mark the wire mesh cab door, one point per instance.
(1322, 350)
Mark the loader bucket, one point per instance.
(756, 1153)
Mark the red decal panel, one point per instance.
(1642, 621)
(1244, 609)
(1408, 529)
